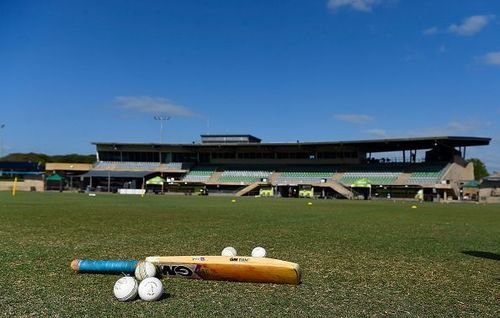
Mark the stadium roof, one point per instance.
(495, 179)
(225, 139)
(374, 145)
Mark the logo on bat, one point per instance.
(174, 270)
(238, 259)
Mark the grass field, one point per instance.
(358, 258)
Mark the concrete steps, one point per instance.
(214, 178)
(342, 190)
(247, 189)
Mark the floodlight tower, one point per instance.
(163, 120)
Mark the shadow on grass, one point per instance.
(165, 296)
(481, 254)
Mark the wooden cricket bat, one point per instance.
(230, 268)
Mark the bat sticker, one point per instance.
(187, 270)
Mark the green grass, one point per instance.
(358, 258)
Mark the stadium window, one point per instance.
(166, 157)
(283, 155)
(350, 154)
(224, 155)
(268, 155)
(153, 156)
(184, 157)
(109, 155)
(245, 155)
(128, 156)
(141, 156)
(327, 155)
(302, 155)
(204, 157)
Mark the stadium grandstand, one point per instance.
(244, 165)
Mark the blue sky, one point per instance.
(73, 72)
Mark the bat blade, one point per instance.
(238, 268)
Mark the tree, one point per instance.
(480, 170)
(43, 158)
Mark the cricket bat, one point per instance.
(229, 268)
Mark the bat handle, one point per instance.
(104, 266)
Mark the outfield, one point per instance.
(358, 258)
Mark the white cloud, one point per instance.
(156, 105)
(492, 58)
(452, 128)
(353, 118)
(471, 25)
(358, 5)
(456, 126)
(377, 133)
(430, 31)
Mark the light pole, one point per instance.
(2, 126)
(162, 120)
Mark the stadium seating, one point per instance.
(104, 165)
(126, 165)
(304, 177)
(174, 166)
(199, 174)
(380, 174)
(427, 174)
(381, 178)
(245, 176)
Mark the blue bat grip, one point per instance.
(109, 266)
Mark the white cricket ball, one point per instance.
(229, 251)
(126, 288)
(145, 270)
(259, 252)
(150, 289)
